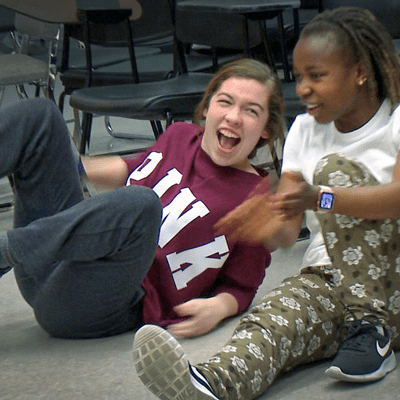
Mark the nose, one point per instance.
(303, 88)
(233, 116)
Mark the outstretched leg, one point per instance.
(294, 324)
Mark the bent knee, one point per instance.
(143, 199)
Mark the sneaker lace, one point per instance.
(360, 334)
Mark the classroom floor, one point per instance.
(36, 366)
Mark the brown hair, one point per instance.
(357, 30)
(250, 69)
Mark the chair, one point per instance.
(167, 100)
(270, 32)
(20, 68)
(300, 17)
(151, 58)
(244, 36)
(386, 11)
(294, 22)
(174, 98)
(109, 61)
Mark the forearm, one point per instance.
(284, 233)
(110, 172)
(367, 202)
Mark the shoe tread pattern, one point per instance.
(162, 365)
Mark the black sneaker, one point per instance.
(365, 355)
(163, 368)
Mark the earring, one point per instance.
(362, 81)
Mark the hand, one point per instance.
(294, 196)
(263, 217)
(253, 222)
(203, 315)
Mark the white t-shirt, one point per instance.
(375, 144)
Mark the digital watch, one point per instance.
(325, 199)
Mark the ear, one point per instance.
(205, 112)
(266, 134)
(361, 73)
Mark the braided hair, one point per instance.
(358, 30)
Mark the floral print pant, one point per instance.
(299, 321)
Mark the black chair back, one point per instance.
(112, 48)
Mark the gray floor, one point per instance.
(35, 366)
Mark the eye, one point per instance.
(224, 101)
(252, 111)
(316, 75)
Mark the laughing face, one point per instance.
(236, 119)
(331, 84)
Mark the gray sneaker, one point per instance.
(163, 367)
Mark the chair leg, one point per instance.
(86, 128)
(49, 93)
(61, 101)
(1, 94)
(21, 92)
(170, 118)
(157, 128)
(77, 132)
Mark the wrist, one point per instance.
(325, 199)
(315, 198)
(227, 304)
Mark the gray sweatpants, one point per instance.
(80, 263)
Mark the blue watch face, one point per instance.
(326, 201)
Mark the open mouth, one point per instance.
(312, 107)
(227, 140)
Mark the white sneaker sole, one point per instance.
(388, 365)
(162, 365)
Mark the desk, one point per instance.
(258, 10)
(62, 12)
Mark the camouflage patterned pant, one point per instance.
(298, 322)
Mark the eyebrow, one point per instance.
(310, 68)
(249, 103)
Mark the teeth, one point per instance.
(311, 106)
(228, 134)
